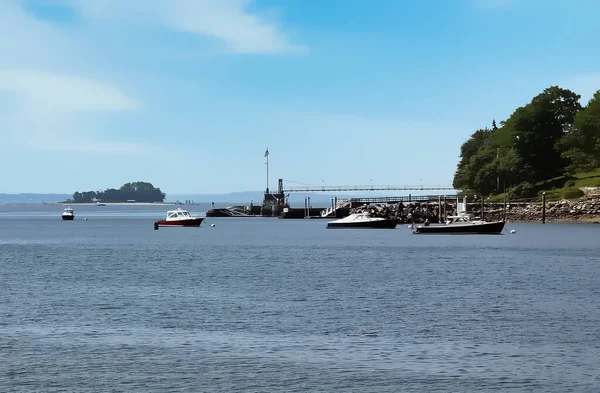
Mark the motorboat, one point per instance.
(363, 220)
(180, 218)
(68, 213)
(462, 224)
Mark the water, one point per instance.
(268, 305)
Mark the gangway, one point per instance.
(341, 204)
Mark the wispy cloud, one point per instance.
(229, 21)
(45, 105)
(58, 92)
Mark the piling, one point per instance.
(445, 207)
(334, 209)
(543, 207)
(482, 206)
(332, 205)
(305, 207)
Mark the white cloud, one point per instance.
(44, 108)
(225, 20)
(52, 91)
(584, 84)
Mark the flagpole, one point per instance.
(267, 157)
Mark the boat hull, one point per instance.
(488, 228)
(380, 224)
(193, 222)
(68, 218)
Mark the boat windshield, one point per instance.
(174, 214)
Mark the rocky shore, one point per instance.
(586, 209)
(416, 212)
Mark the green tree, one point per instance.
(465, 174)
(539, 126)
(581, 145)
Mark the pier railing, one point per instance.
(364, 188)
(408, 198)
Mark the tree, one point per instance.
(539, 126)
(137, 191)
(581, 145)
(464, 176)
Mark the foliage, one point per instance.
(581, 144)
(522, 190)
(572, 192)
(540, 125)
(547, 138)
(136, 191)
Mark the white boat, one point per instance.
(179, 218)
(363, 220)
(462, 224)
(68, 213)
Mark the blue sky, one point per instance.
(188, 94)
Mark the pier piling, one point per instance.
(543, 207)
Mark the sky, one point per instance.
(188, 94)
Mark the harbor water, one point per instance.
(108, 304)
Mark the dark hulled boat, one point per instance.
(462, 224)
(68, 214)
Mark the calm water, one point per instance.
(268, 305)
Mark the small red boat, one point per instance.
(180, 218)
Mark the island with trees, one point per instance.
(550, 145)
(139, 192)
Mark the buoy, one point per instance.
(212, 225)
(85, 219)
(513, 231)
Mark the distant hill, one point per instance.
(33, 198)
(296, 199)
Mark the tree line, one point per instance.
(551, 136)
(136, 191)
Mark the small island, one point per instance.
(136, 192)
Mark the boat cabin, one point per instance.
(178, 214)
(460, 219)
(68, 210)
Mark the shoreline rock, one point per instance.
(585, 209)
